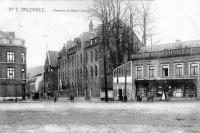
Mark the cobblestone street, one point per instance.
(84, 117)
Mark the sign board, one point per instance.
(167, 53)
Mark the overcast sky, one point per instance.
(173, 19)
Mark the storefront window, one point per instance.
(139, 72)
(194, 68)
(179, 69)
(151, 71)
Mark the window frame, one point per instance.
(197, 63)
(137, 71)
(154, 72)
(175, 69)
(10, 56)
(162, 70)
(12, 70)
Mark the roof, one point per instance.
(8, 35)
(170, 46)
(52, 58)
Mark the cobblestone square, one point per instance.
(91, 117)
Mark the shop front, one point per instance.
(167, 89)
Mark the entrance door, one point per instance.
(120, 95)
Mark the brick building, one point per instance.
(51, 73)
(169, 71)
(81, 64)
(12, 66)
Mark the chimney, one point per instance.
(90, 26)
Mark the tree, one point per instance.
(143, 20)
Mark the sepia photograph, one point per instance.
(99, 66)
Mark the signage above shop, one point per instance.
(167, 53)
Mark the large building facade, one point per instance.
(81, 64)
(168, 71)
(12, 66)
(51, 73)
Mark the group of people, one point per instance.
(71, 98)
(150, 97)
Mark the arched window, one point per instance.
(96, 55)
(91, 71)
(96, 71)
(91, 53)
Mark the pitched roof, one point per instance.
(52, 58)
(170, 46)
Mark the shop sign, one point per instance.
(167, 53)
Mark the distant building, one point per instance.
(51, 72)
(81, 64)
(35, 85)
(12, 66)
(169, 71)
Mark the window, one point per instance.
(179, 69)
(81, 72)
(95, 55)
(139, 72)
(96, 71)
(77, 73)
(86, 57)
(86, 72)
(151, 71)
(23, 72)
(165, 70)
(10, 56)
(81, 58)
(22, 57)
(194, 68)
(10, 73)
(91, 71)
(91, 56)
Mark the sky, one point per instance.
(51, 28)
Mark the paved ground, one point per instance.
(89, 117)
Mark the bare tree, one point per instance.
(145, 21)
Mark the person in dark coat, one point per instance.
(55, 99)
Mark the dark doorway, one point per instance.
(120, 94)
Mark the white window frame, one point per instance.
(182, 69)
(162, 69)
(190, 68)
(154, 71)
(137, 71)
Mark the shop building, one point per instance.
(169, 71)
(12, 66)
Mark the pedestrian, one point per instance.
(72, 98)
(55, 99)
